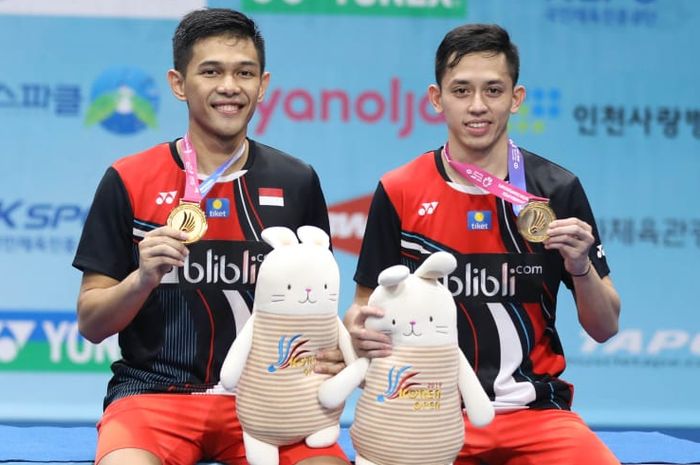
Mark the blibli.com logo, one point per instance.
(123, 101)
(483, 282)
(213, 268)
(420, 8)
(540, 107)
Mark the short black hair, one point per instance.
(475, 38)
(210, 22)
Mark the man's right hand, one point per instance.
(160, 251)
(367, 343)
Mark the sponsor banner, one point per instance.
(42, 341)
(348, 220)
(109, 8)
(424, 8)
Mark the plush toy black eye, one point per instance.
(289, 287)
(325, 286)
(431, 319)
(393, 322)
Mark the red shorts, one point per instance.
(183, 429)
(526, 437)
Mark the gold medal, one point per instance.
(189, 218)
(534, 219)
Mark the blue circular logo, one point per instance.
(123, 100)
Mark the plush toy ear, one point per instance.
(437, 265)
(314, 236)
(393, 275)
(279, 236)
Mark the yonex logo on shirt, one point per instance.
(166, 197)
(600, 252)
(427, 208)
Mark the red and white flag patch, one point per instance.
(271, 196)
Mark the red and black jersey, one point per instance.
(180, 337)
(505, 288)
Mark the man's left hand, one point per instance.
(329, 361)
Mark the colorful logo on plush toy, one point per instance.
(291, 354)
(401, 385)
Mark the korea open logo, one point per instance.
(123, 101)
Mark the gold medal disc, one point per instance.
(534, 219)
(189, 218)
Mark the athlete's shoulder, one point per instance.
(542, 167)
(267, 156)
(153, 159)
(411, 171)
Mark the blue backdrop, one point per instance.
(612, 95)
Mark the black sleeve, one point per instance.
(106, 243)
(575, 203)
(317, 213)
(381, 244)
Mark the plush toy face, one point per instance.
(418, 309)
(298, 278)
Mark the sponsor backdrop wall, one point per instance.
(612, 95)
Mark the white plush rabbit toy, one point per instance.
(270, 364)
(410, 410)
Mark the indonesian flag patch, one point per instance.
(271, 196)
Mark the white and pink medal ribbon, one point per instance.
(188, 216)
(194, 191)
(513, 192)
(533, 213)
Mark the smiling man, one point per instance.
(169, 252)
(494, 206)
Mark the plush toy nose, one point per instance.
(308, 289)
(413, 322)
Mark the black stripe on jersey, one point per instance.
(483, 350)
(217, 338)
(250, 221)
(419, 248)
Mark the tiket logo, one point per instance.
(427, 208)
(166, 197)
(217, 268)
(291, 354)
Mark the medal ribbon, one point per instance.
(513, 192)
(194, 191)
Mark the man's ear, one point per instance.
(518, 98)
(177, 84)
(434, 95)
(264, 82)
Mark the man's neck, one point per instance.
(493, 161)
(213, 152)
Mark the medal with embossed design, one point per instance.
(534, 219)
(189, 218)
